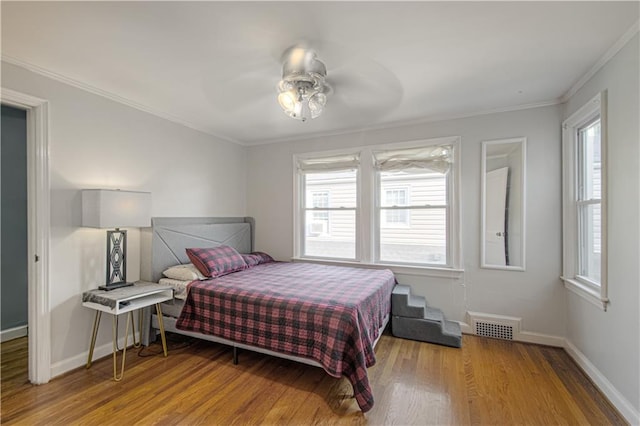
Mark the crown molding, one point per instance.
(406, 123)
(610, 53)
(112, 96)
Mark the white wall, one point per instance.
(611, 340)
(536, 295)
(98, 143)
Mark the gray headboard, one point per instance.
(172, 235)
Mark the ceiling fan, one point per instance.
(323, 78)
(303, 89)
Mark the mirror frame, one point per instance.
(523, 158)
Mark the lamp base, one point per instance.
(114, 286)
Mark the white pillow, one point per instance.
(186, 272)
(180, 288)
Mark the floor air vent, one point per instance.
(497, 331)
(494, 326)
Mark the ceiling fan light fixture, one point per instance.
(317, 103)
(287, 100)
(302, 90)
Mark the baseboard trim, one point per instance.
(66, 365)
(625, 408)
(540, 339)
(465, 328)
(13, 333)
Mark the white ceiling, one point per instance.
(215, 65)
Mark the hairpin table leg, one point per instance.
(161, 325)
(96, 323)
(133, 326)
(115, 346)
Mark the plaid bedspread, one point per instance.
(330, 314)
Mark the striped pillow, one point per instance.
(216, 261)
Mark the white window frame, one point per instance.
(366, 211)
(573, 281)
(448, 230)
(299, 208)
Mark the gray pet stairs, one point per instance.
(413, 319)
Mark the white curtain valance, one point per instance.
(437, 158)
(329, 164)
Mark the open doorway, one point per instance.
(13, 245)
(13, 228)
(38, 229)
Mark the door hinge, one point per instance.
(37, 258)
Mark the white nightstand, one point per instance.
(125, 300)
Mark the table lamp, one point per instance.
(107, 208)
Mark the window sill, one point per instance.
(589, 293)
(421, 271)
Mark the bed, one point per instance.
(326, 316)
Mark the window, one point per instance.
(584, 193)
(329, 188)
(588, 201)
(423, 239)
(393, 217)
(425, 170)
(408, 214)
(319, 224)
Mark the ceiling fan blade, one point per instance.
(231, 91)
(366, 86)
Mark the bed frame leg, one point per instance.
(235, 355)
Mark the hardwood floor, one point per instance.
(485, 382)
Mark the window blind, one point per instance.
(329, 164)
(437, 158)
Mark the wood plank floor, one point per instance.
(485, 382)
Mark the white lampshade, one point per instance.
(107, 208)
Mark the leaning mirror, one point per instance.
(503, 204)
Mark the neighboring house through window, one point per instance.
(585, 206)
